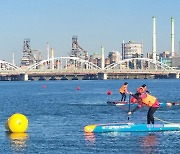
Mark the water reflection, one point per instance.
(149, 140)
(90, 137)
(18, 140)
(149, 143)
(146, 142)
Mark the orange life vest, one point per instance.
(123, 89)
(149, 100)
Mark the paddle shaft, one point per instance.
(129, 106)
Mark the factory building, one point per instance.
(131, 50)
(107, 61)
(172, 61)
(95, 59)
(176, 62)
(114, 56)
(29, 57)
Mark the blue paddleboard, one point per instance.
(131, 127)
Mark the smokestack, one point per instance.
(102, 56)
(123, 54)
(172, 36)
(52, 56)
(154, 39)
(142, 51)
(13, 62)
(47, 45)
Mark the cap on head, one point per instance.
(144, 85)
(125, 83)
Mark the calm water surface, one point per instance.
(58, 113)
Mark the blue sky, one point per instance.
(96, 23)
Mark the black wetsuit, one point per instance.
(123, 98)
(150, 117)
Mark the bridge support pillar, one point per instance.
(126, 77)
(136, 77)
(4, 78)
(177, 75)
(23, 77)
(102, 76)
(174, 75)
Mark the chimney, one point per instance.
(172, 36)
(47, 45)
(154, 39)
(52, 56)
(102, 56)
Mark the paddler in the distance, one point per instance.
(143, 89)
(145, 99)
(123, 91)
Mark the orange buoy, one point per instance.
(78, 88)
(109, 92)
(44, 86)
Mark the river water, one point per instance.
(57, 113)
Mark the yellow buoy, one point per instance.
(17, 123)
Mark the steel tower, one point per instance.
(77, 51)
(28, 57)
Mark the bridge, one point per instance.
(74, 68)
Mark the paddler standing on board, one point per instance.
(142, 89)
(145, 99)
(123, 91)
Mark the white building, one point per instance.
(131, 50)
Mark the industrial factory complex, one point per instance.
(130, 62)
(130, 49)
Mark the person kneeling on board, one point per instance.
(145, 99)
(123, 91)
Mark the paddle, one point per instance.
(129, 107)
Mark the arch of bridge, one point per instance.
(156, 63)
(93, 66)
(10, 66)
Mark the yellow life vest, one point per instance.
(123, 89)
(149, 100)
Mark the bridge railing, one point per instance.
(77, 65)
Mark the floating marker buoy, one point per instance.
(109, 92)
(78, 88)
(17, 123)
(44, 86)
